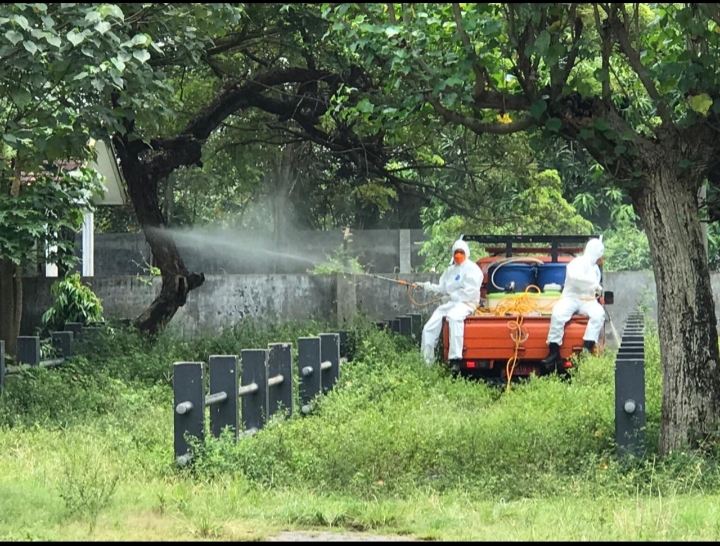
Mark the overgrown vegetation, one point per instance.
(94, 437)
(74, 302)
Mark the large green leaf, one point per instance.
(700, 103)
(553, 124)
(13, 36)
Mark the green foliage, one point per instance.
(340, 261)
(538, 209)
(544, 210)
(57, 398)
(441, 236)
(391, 429)
(626, 249)
(62, 62)
(393, 426)
(88, 482)
(147, 270)
(74, 302)
(43, 209)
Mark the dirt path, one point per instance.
(325, 536)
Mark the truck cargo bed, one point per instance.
(489, 337)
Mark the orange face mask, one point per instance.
(459, 257)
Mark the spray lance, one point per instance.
(410, 287)
(396, 281)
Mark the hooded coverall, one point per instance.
(582, 283)
(461, 286)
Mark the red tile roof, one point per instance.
(60, 165)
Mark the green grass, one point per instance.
(395, 449)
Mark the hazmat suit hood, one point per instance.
(594, 250)
(460, 245)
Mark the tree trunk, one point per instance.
(10, 304)
(177, 281)
(282, 186)
(170, 200)
(686, 311)
(11, 286)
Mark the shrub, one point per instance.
(74, 302)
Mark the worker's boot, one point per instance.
(553, 359)
(588, 346)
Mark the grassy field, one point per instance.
(396, 449)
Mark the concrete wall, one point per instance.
(225, 300)
(246, 253)
(220, 302)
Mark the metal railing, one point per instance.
(630, 388)
(265, 388)
(29, 354)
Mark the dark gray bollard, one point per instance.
(280, 379)
(90, 331)
(310, 376)
(635, 325)
(330, 365)
(395, 326)
(28, 350)
(630, 355)
(254, 389)
(2, 365)
(224, 411)
(76, 328)
(629, 404)
(344, 348)
(417, 326)
(64, 342)
(634, 344)
(189, 407)
(405, 326)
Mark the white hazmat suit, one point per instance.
(582, 285)
(460, 284)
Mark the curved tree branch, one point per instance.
(478, 126)
(620, 28)
(481, 75)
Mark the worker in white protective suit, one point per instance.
(460, 286)
(579, 295)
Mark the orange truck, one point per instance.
(507, 334)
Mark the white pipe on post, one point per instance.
(88, 245)
(51, 269)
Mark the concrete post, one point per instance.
(189, 402)
(329, 352)
(280, 396)
(28, 350)
(64, 342)
(310, 374)
(405, 251)
(345, 299)
(254, 405)
(224, 378)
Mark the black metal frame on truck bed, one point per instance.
(507, 240)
